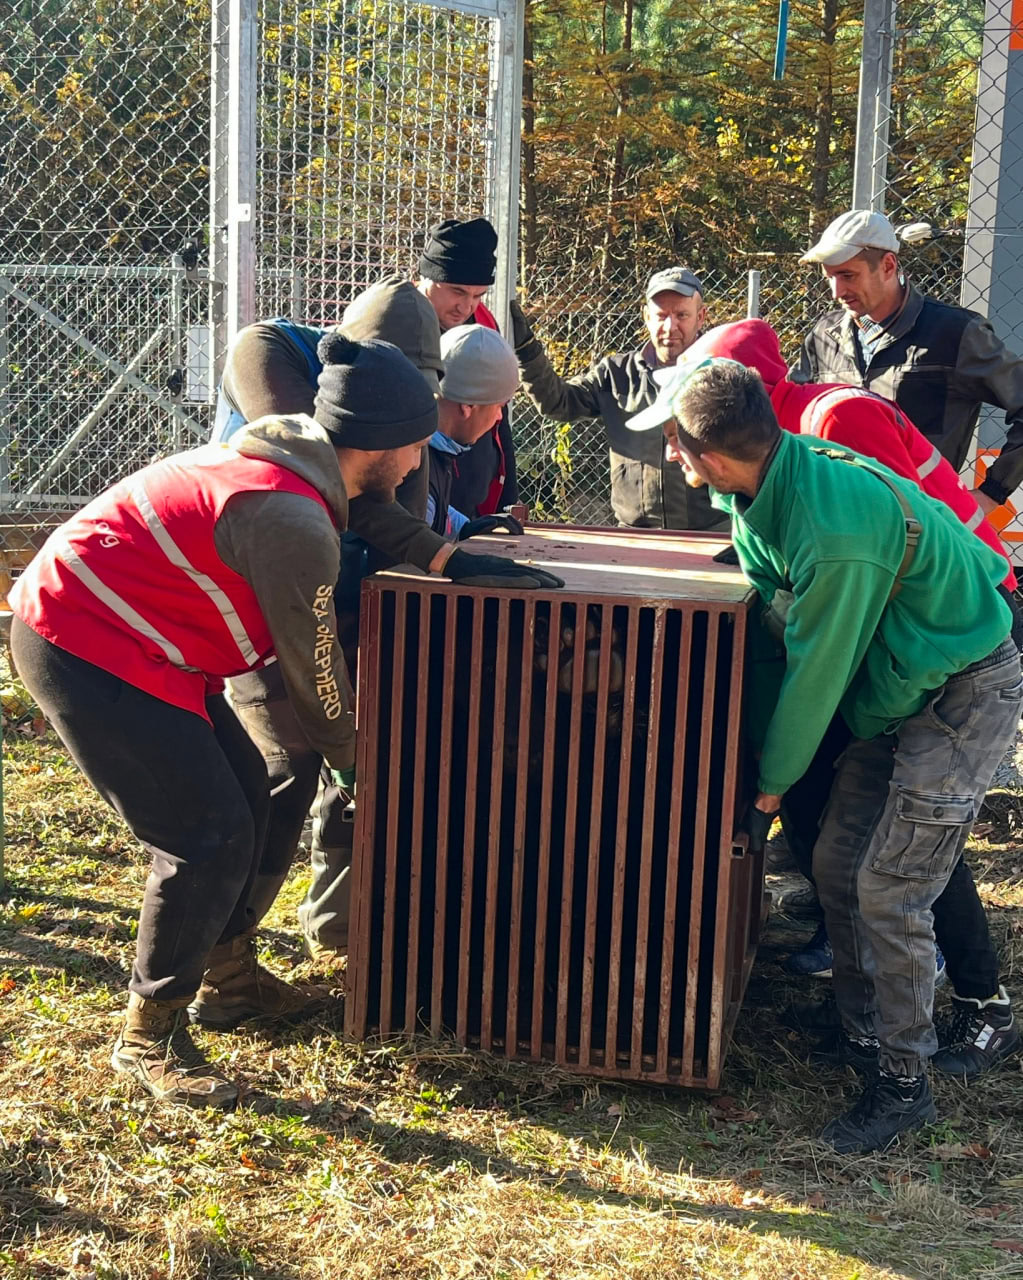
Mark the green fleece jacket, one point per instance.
(834, 535)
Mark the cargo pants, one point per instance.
(894, 829)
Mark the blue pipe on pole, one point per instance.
(783, 38)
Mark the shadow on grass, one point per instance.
(28, 1218)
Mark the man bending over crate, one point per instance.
(199, 568)
(889, 612)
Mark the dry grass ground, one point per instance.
(369, 1161)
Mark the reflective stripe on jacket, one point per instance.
(877, 428)
(134, 585)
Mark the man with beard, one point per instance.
(196, 569)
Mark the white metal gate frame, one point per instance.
(234, 170)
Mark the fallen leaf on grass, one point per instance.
(735, 1117)
(7, 985)
(962, 1151)
(992, 1210)
(1010, 1246)
(726, 1108)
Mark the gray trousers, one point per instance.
(899, 815)
(297, 775)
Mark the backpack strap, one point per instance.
(913, 526)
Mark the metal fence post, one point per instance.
(217, 300)
(242, 82)
(992, 167)
(874, 106)
(753, 295)
(506, 59)
(5, 430)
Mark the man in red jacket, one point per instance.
(199, 568)
(981, 1031)
(457, 268)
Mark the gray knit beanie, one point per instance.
(371, 396)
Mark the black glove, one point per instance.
(489, 524)
(728, 556)
(495, 571)
(756, 823)
(522, 331)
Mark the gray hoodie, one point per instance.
(289, 551)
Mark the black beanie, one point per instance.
(460, 253)
(371, 396)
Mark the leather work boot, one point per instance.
(155, 1047)
(236, 988)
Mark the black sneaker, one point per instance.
(979, 1034)
(888, 1106)
(802, 901)
(838, 1049)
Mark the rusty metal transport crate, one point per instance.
(545, 865)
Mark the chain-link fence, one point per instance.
(946, 152)
(563, 468)
(123, 131)
(374, 121)
(369, 121)
(104, 181)
(959, 169)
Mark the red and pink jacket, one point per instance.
(133, 582)
(852, 417)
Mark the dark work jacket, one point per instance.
(485, 480)
(480, 467)
(646, 491)
(442, 469)
(939, 364)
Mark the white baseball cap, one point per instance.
(850, 234)
(672, 380)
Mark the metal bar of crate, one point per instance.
(568, 839)
(416, 835)
(596, 814)
(496, 777)
(468, 843)
(621, 825)
(673, 841)
(699, 838)
(643, 905)
(519, 835)
(543, 870)
(393, 785)
(443, 826)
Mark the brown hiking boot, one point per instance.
(155, 1047)
(236, 988)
